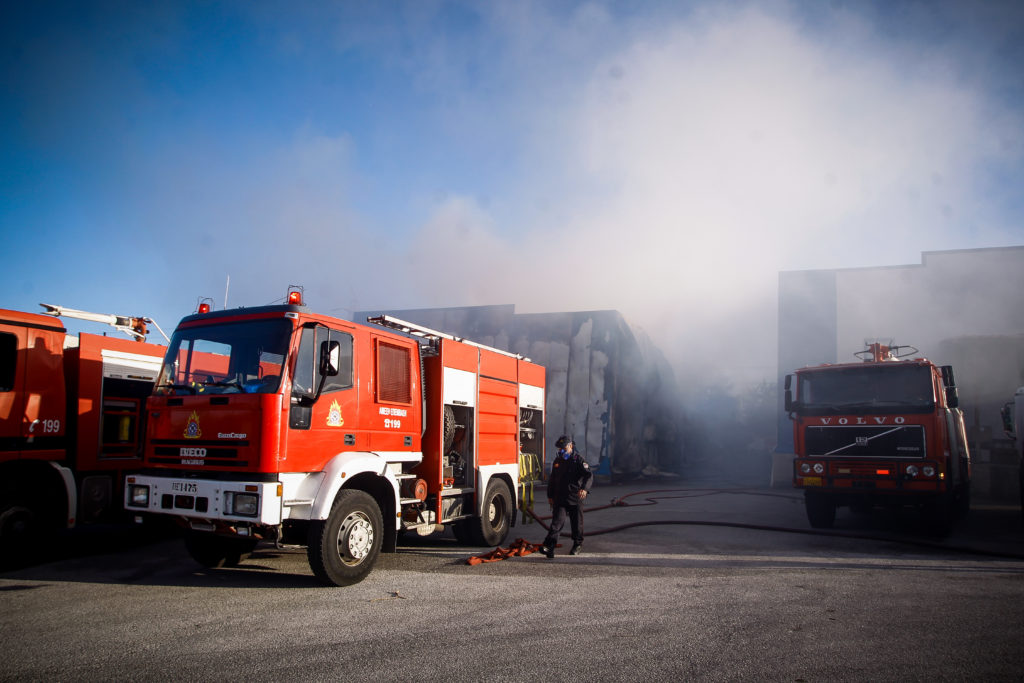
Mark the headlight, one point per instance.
(242, 504)
(928, 470)
(819, 468)
(805, 468)
(138, 496)
(912, 470)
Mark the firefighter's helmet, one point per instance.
(563, 441)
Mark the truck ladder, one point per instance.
(433, 335)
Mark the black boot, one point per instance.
(548, 550)
(577, 548)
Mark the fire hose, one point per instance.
(522, 547)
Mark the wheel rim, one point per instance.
(495, 511)
(355, 538)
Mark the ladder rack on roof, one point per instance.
(433, 336)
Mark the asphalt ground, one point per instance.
(717, 589)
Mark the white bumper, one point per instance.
(205, 499)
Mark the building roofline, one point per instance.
(925, 256)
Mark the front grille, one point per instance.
(863, 441)
(195, 452)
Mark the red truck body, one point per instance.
(884, 431)
(71, 423)
(279, 423)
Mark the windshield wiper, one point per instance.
(223, 383)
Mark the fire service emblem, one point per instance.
(334, 418)
(192, 430)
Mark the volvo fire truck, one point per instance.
(71, 421)
(282, 424)
(885, 431)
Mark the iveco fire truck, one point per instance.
(71, 421)
(883, 431)
(278, 423)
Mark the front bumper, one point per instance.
(205, 499)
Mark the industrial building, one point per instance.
(607, 386)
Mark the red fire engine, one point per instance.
(278, 423)
(71, 419)
(884, 431)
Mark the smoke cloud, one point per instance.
(666, 163)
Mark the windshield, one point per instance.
(229, 358)
(868, 389)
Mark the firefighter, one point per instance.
(568, 486)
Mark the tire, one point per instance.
(22, 535)
(939, 513)
(963, 501)
(344, 547)
(463, 532)
(492, 527)
(214, 551)
(1021, 477)
(821, 509)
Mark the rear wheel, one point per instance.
(344, 547)
(491, 528)
(821, 509)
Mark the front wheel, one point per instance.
(491, 528)
(821, 509)
(344, 547)
(21, 534)
(213, 551)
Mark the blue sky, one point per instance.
(663, 158)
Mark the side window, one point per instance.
(307, 376)
(302, 381)
(343, 380)
(8, 360)
(394, 382)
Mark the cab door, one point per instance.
(32, 392)
(12, 384)
(321, 426)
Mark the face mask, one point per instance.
(564, 453)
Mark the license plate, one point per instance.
(812, 481)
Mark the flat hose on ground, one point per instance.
(650, 499)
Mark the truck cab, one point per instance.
(885, 431)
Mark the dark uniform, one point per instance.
(570, 474)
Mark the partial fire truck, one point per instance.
(1013, 424)
(71, 421)
(883, 431)
(282, 424)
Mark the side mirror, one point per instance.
(789, 394)
(947, 376)
(1006, 412)
(330, 358)
(952, 399)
